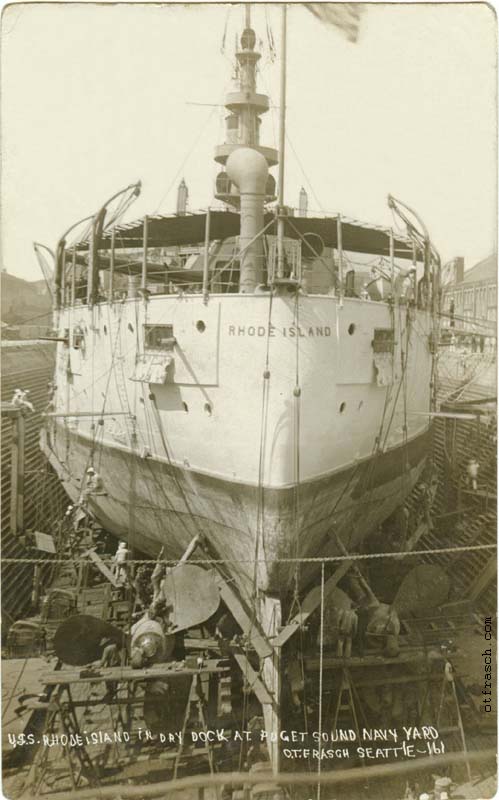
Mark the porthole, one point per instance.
(342, 407)
(185, 407)
(207, 408)
(200, 325)
(351, 328)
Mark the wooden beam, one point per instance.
(14, 456)
(8, 410)
(254, 680)
(98, 414)
(123, 674)
(412, 541)
(97, 560)
(483, 579)
(17, 475)
(410, 656)
(244, 618)
(311, 602)
(444, 414)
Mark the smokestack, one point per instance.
(182, 196)
(303, 203)
(458, 269)
(248, 169)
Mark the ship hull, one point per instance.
(269, 426)
(153, 504)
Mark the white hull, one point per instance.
(257, 466)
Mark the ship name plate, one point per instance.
(292, 331)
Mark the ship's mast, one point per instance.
(245, 183)
(245, 106)
(282, 146)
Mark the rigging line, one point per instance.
(114, 347)
(303, 239)
(394, 407)
(160, 485)
(47, 313)
(147, 420)
(6, 706)
(305, 696)
(368, 481)
(404, 357)
(113, 356)
(102, 374)
(92, 372)
(321, 671)
(238, 255)
(190, 152)
(296, 431)
(96, 429)
(307, 179)
(260, 526)
(304, 559)
(176, 479)
(273, 108)
(483, 322)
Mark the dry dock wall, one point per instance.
(26, 365)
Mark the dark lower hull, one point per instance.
(152, 504)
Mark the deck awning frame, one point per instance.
(189, 229)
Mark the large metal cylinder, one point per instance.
(133, 286)
(248, 169)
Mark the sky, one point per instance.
(94, 97)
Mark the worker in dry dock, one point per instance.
(93, 483)
(112, 656)
(383, 622)
(472, 473)
(20, 400)
(426, 497)
(157, 576)
(403, 284)
(348, 622)
(141, 585)
(120, 568)
(227, 631)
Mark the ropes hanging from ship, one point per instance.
(169, 485)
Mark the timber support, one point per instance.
(17, 467)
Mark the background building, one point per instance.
(471, 295)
